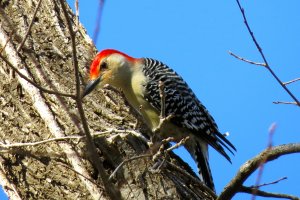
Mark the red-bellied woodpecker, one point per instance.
(139, 80)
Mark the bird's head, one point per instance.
(109, 67)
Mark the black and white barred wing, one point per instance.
(183, 104)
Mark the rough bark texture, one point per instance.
(60, 170)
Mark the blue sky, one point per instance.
(194, 39)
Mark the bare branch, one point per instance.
(77, 12)
(292, 81)
(271, 183)
(250, 190)
(178, 144)
(5, 147)
(110, 188)
(245, 60)
(163, 119)
(263, 162)
(263, 55)
(162, 122)
(162, 95)
(30, 25)
(251, 165)
(132, 132)
(161, 150)
(285, 102)
(98, 21)
(126, 161)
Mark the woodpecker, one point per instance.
(139, 79)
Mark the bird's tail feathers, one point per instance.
(199, 152)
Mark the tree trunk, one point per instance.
(61, 169)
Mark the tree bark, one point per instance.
(60, 169)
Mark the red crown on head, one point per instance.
(94, 69)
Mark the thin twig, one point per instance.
(263, 162)
(77, 13)
(30, 25)
(162, 95)
(132, 132)
(245, 60)
(33, 83)
(291, 81)
(158, 165)
(126, 161)
(98, 21)
(177, 145)
(161, 151)
(162, 122)
(263, 56)
(162, 118)
(6, 147)
(250, 190)
(285, 102)
(110, 188)
(271, 183)
(251, 165)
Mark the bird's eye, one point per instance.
(103, 66)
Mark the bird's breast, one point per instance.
(134, 94)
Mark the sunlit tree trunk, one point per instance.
(61, 169)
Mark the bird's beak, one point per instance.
(90, 86)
